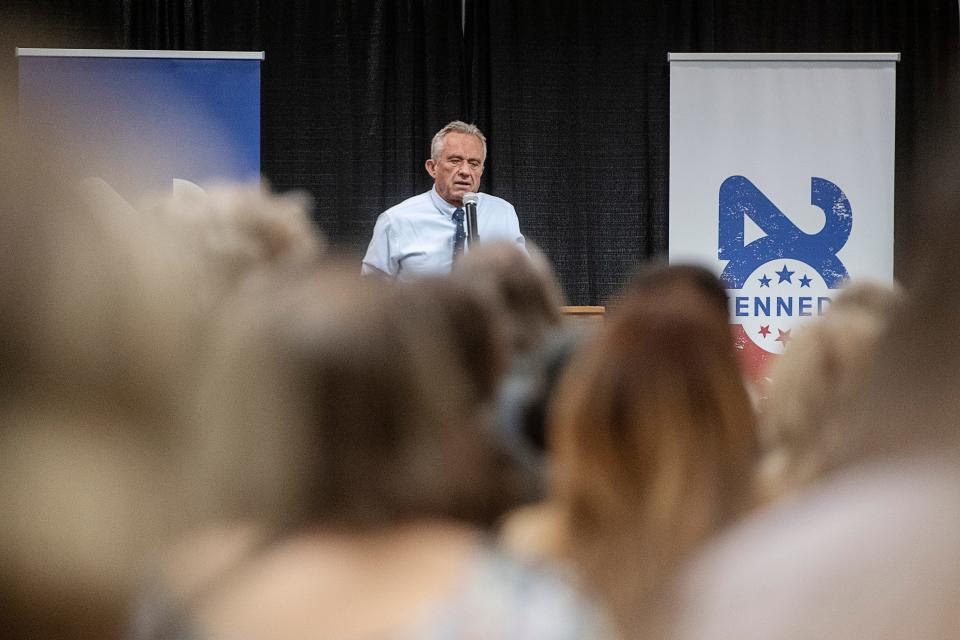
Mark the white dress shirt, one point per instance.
(415, 238)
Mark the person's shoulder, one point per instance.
(497, 209)
(492, 200)
(413, 204)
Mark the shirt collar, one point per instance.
(442, 205)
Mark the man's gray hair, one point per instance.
(457, 126)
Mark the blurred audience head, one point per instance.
(102, 333)
(477, 330)
(231, 230)
(653, 440)
(661, 278)
(521, 284)
(813, 381)
(90, 404)
(336, 400)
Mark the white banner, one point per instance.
(781, 181)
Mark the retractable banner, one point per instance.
(143, 121)
(781, 181)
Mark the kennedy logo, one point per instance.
(784, 275)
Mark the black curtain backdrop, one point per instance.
(572, 95)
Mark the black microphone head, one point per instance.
(470, 198)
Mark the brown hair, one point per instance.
(348, 405)
(654, 443)
(662, 278)
(477, 329)
(523, 286)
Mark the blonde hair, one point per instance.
(819, 374)
(230, 230)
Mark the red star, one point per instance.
(784, 336)
(764, 330)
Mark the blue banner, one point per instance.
(140, 122)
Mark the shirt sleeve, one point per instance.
(517, 235)
(381, 257)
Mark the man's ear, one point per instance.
(431, 167)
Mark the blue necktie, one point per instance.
(460, 235)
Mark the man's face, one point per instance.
(459, 168)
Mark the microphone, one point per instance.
(470, 200)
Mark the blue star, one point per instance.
(764, 281)
(784, 275)
(805, 282)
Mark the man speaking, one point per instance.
(423, 235)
